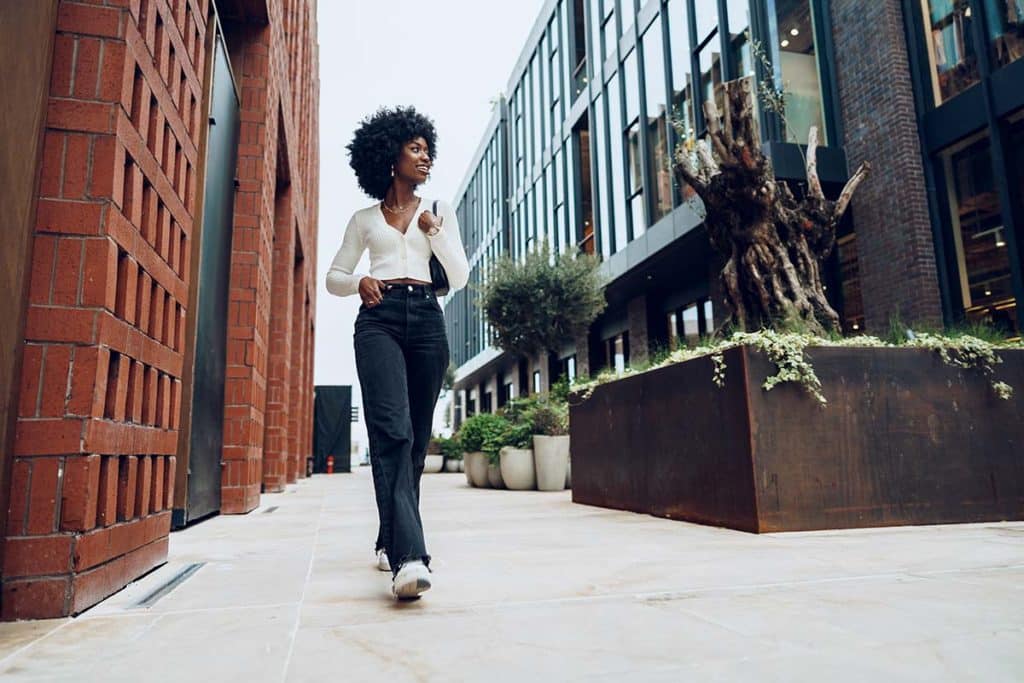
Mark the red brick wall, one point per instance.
(100, 399)
(273, 257)
(890, 210)
(102, 359)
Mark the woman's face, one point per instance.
(414, 161)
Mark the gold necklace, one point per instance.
(399, 210)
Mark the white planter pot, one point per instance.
(476, 469)
(451, 465)
(551, 455)
(433, 463)
(462, 465)
(494, 477)
(517, 469)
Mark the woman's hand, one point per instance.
(428, 222)
(371, 291)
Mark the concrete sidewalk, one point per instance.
(529, 586)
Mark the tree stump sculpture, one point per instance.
(775, 243)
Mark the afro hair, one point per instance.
(378, 142)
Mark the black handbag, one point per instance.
(438, 276)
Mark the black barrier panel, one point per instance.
(332, 428)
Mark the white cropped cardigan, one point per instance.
(394, 255)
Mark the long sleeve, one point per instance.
(341, 281)
(447, 246)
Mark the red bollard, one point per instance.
(330, 464)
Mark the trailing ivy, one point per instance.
(787, 352)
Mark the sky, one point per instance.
(449, 59)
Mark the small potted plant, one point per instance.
(493, 444)
(475, 432)
(452, 451)
(550, 422)
(434, 460)
(516, 458)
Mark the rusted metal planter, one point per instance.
(904, 439)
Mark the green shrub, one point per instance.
(536, 303)
(450, 448)
(550, 418)
(479, 430)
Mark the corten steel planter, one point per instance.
(904, 439)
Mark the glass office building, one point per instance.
(579, 150)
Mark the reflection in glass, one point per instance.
(739, 29)
(706, 15)
(617, 352)
(537, 116)
(954, 61)
(609, 34)
(636, 179)
(682, 84)
(849, 275)
(604, 211)
(579, 61)
(711, 72)
(657, 134)
(691, 328)
(1006, 29)
(799, 66)
(979, 234)
(618, 189)
(596, 52)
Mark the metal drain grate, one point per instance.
(170, 585)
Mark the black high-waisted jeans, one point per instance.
(401, 357)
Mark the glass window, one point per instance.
(1015, 160)
(739, 42)
(556, 94)
(632, 87)
(954, 62)
(618, 189)
(706, 15)
(978, 233)
(799, 66)
(609, 29)
(682, 85)
(536, 381)
(596, 21)
(617, 352)
(657, 133)
(1006, 29)
(627, 10)
(673, 331)
(539, 110)
(578, 66)
(691, 325)
(600, 161)
(636, 179)
(710, 57)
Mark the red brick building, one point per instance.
(160, 231)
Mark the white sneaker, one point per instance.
(382, 561)
(412, 580)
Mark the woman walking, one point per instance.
(400, 341)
